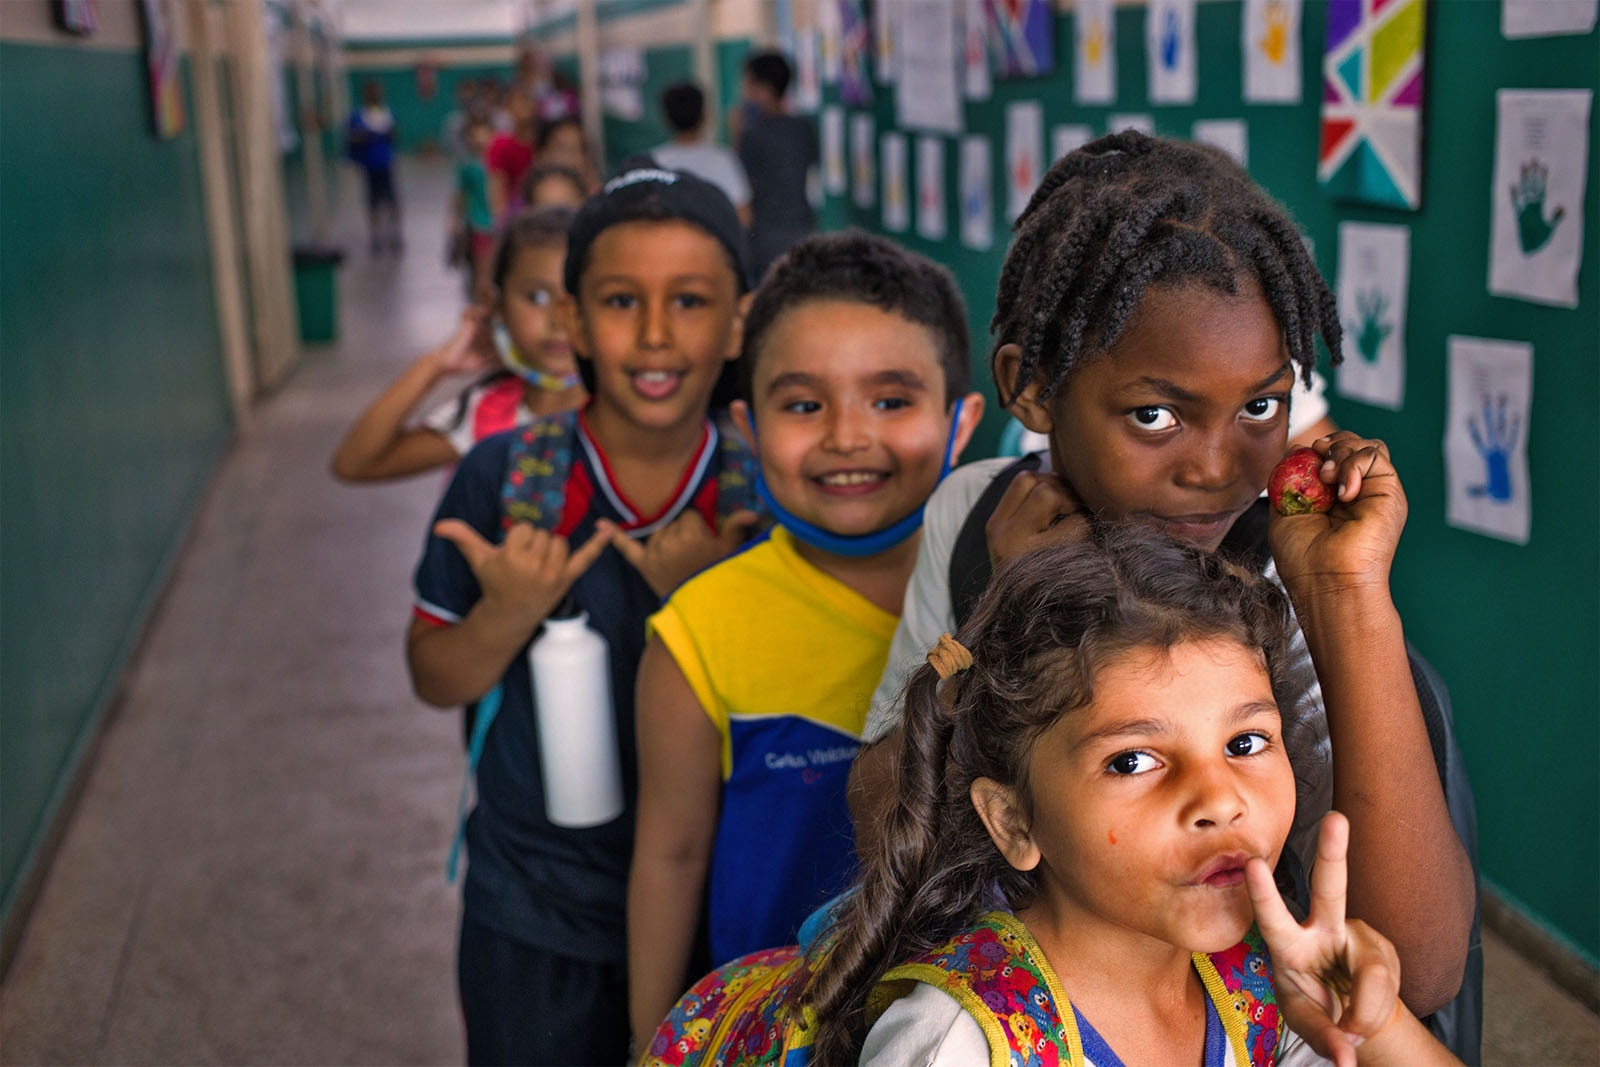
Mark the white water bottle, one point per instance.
(571, 671)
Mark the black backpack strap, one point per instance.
(969, 559)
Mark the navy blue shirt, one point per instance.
(561, 889)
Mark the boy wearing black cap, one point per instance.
(649, 490)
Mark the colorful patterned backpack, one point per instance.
(744, 1014)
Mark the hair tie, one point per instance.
(949, 657)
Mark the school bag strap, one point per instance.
(744, 1012)
(537, 466)
(996, 972)
(736, 473)
(970, 569)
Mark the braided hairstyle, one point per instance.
(1128, 211)
(1048, 622)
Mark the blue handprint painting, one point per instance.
(1494, 435)
(1486, 443)
(1170, 46)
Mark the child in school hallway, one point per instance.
(755, 683)
(1153, 311)
(1094, 792)
(608, 509)
(369, 142)
(518, 348)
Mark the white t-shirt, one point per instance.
(928, 612)
(927, 1028)
(713, 162)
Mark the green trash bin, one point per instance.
(316, 293)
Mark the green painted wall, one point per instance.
(663, 66)
(113, 408)
(1514, 630)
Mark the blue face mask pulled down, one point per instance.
(856, 546)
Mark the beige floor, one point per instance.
(255, 872)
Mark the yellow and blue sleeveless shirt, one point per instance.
(783, 659)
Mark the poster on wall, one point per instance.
(896, 197)
(1094, 78)
(1546, 18)
(829, 34)
(863, 157)
(1024, 154)
(1486, 437)
(1271, 49)
(74, 16)
(975, 51)
(1372, 71)
(1540, 177)
(1374, 276)
(1230, 135)
(1022, 37)
(835, 178)
(1068, 137)
(885, 28)
(1170, 48)
(930, 188)
(161, 67)
(977, 194)
(622, 74)
(807, 80)
(926, 94)
(855, 41)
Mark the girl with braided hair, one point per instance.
(1154, 310)
(1077, 868)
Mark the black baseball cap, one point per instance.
(644, 191)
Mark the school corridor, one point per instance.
(254, 873)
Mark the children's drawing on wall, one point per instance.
(863, 157)
(1145, 124)
(1021, 37)
(1169, 46)
(977, 195)
(975, 50)
(930, 188)
(834, 177)
(1068, 137)
(1540, 178)
(1271, 50)
(1546, 18)
(1094, 75)
(927, 95)
(161, 64)
(855, 40)
(896, 202)
(622, 73)
(1486, 437)
(1372, 103)
(808, 82)
(829, 33)
(1230, 135)
(1024, 154)
(1374, 276)
(885, 28)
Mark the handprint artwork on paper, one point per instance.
(1527, 197)
(1371, 329)
(1495, 440)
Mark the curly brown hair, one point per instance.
(1048, 621)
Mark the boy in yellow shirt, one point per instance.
(758, 674)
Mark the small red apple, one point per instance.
(1293, 488)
